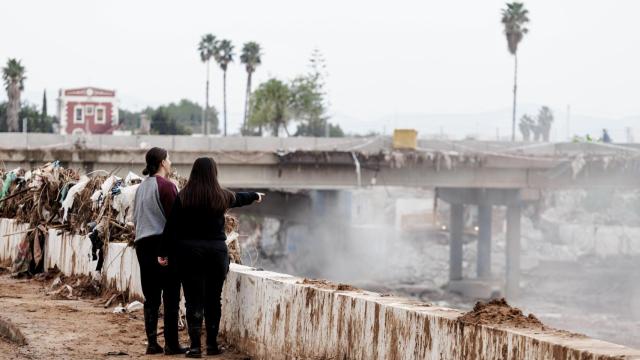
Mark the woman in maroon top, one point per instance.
(195, 241)
(153, 202)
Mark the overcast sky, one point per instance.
(383, 57)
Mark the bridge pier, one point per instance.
(513, 251)
(456, 232)
(485, 285)
(485, 211)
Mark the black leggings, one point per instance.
(158, 283)
(203, 269)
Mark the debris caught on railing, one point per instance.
(99, 207)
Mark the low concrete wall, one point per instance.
(72, 255)
(275, 316)
(11, 233)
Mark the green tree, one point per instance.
(207, 49)
(130, 120)
(251, 57)
(527, 126)
(162, 123)
(185, 112)
(308, 101)
(36, 121)
(545, 119)
(270, 107)
(224, 56)
(29, 113)
(44, 105)
(13, 75)
(514, 19)
(307, 106)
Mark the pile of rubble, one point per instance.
(98, 205)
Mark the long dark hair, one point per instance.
(203, 190)
(153, 159)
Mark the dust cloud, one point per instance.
(580, 258)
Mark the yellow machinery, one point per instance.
(406, 139)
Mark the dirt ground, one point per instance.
(73, 329)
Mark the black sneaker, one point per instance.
(193, 353)
(174, 350)
(214, 350)
(153, 348)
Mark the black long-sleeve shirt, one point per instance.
(198, 226)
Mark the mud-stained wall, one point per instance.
(11, 233)
(275, 316)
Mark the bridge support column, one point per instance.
(456, 231)
(484, 239)
(513, 251)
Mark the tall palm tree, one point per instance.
(207, 50)
(13, 76)
(251, 58)
(224, 55)
(514, 19)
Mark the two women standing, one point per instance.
(192, 249)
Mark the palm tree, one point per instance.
(514, 18)
(13, 76)
(224, 55)
(271, 106)
(251, 58)
(207, 49)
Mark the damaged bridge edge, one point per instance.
(276, 316)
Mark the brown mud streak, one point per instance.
(376, 329)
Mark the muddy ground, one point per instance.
(72, 329)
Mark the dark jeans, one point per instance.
(203, 269)
(158, 283)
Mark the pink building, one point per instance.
(87, 110)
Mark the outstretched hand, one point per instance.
(260, 196)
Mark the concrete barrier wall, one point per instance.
(11, 233)
(276, 316)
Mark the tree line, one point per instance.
(14, 114)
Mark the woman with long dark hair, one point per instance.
(194, 236)
(153, 202)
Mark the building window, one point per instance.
(100, 116)
(89, 109)
(78, 117)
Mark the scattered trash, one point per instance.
(116, 353)
(134, 306)
(119, 309)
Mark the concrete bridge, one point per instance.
(464, 173)
(332, 164)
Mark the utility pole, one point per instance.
(568, 122)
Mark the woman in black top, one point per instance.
(195, 239)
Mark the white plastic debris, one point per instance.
(123, 203)
(134, 306)
(132, 178)
(576, 165)
(75, 189)
(119, 309)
